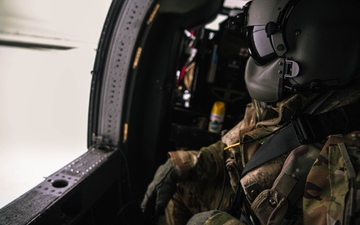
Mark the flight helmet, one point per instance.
(301, 46)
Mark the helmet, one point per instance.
(300, 46)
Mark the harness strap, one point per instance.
(273, 148)
(306, 129)
(303, 129)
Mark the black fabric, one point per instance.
(310, 128)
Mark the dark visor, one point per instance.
(261, 49)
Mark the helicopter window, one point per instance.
(46, 54)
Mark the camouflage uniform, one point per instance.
(324, 168)
(198, 191)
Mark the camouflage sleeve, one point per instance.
(205, 164)
(223, 218)
(331, 183)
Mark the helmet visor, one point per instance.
(261, 49)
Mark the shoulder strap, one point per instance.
(305, 129)
(302, 130)
(273, 148)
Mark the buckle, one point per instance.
(305, 127)
(291, 68)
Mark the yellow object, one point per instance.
(217, 117)
(231, 146)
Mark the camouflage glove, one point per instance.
(161, 189)
(201, 218)
(223, 218)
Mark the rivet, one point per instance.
(272, 202)
(280, 72)
(280, 47)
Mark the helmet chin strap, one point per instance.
(314, 87)
(292, 70)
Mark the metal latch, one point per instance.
(291, 69)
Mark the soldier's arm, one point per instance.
(205, 164)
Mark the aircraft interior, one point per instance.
(160, 66)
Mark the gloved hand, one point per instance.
(161, 189)
(201, 218)
(214, 217)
